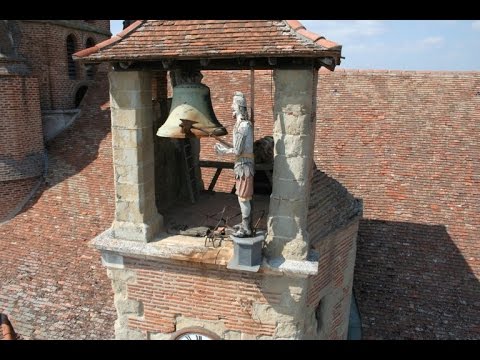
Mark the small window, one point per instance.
(72, 69)
(91, 68)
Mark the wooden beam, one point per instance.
(229, 165)
(214, 180)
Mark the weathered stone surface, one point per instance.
(124, 333)
(288, 330)
(284, 226)
(233, 335)
(296, 83)
(128, 306)
(136, 217)
(289, 189)
(133, 191)
(296, 168)
(279, 246)
(125, 307)
(245, 336)
(294, 137)
(132, 118)
(130, 89)
(135, 211)
(293, 145)
(133, 138)
(267, 314)
(159, 336)
(128, 80)
(123, 155)
(141, 173)
(285, 207)
(112, 260)
(144, 232)
(292, 120)
(130, 99)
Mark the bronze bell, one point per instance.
(191, 102)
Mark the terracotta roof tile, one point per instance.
(184, 39)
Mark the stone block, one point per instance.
(288, 330)
(245, 336)
(130, 99)
(284, 207)
(129, 80)
(128, 306)
(292, 168)
(294, 82)
(133, 156)
(285, 226)
(131, 174)
(267, 314)
(293, 249)
(143, 232)
(137, 211)
(112, 260)
(125, 333)
(132, 118)
(292, 120)
(159, 336)
(233, 335)
(293, 145)
(290, 189)
(133, 138)
(134, 191)
(123, 276)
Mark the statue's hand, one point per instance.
(220, 149)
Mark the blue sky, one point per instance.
(399, 44)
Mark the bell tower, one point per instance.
(294, 279)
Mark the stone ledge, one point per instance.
(291, 268)
(165, 246)
(186, 248)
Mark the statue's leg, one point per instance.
(245, 228)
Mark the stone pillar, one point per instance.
(136, 216)
(294, 136)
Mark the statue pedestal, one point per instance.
(247, 253)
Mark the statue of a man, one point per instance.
(244, 168)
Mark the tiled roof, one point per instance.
(188, 39)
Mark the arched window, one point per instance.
(91, 68)
(72, 69)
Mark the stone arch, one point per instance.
(78, 93)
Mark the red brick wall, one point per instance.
(21, 140)
(100, 24)
(202, 292)
(20, 122)
(334, 274)
(44, 47)
(12, 192)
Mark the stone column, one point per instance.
(294, 136)
(136, 216)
